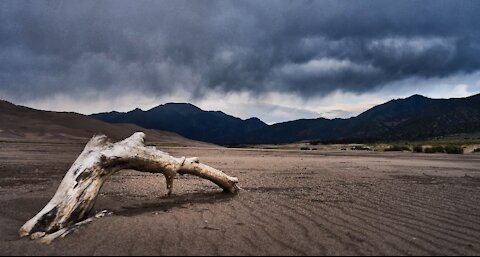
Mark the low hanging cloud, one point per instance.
(158, 48)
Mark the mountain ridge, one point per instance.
(187, 120)
(411, 118)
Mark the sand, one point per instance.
(293, 203)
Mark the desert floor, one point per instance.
(292, 203)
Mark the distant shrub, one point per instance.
(397, 148)
(305, 148)
(418, 149)
(314, 149)
(360, 148)
(428, 150)
(435, 149)
(476, 150)
(454, 149)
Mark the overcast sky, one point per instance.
(277, 60)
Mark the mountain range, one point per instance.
(413, 118)
(189, 121)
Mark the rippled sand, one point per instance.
(293, 203)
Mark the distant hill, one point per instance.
(413, 118)
(189, 121)
(23, 123)
(418, 117)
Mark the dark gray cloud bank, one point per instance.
(303, 48)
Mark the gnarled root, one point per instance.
(76, 195)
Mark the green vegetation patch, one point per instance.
(434, 149)
(360, 148)
(418, 149)
(450, 149)
(398, 148)
(454, 149)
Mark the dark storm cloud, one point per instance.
(304, 47)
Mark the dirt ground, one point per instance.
(292, 203)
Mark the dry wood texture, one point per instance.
(76, 195)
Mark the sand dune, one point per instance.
(22, 123)
(293, 203)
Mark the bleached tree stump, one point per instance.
(76, 195)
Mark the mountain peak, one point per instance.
(416, 99)
(255, 120)
(179, 104)
(184, 108)
(417, 96)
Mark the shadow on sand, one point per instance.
(167, 203)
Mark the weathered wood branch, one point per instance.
(76, 195)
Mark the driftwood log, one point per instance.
(71, 205)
